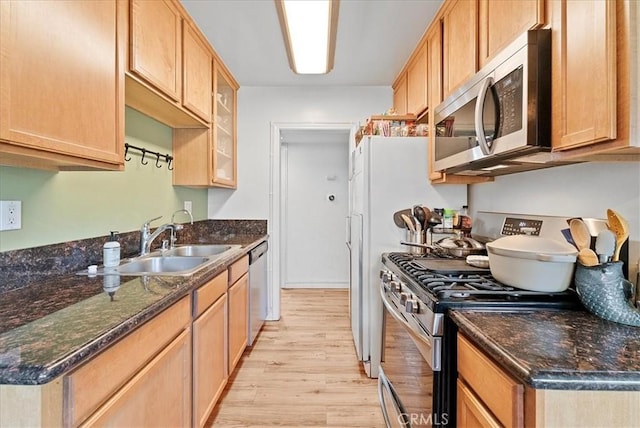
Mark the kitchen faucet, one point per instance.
(146, 237)
(177, 227)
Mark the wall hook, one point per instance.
(158, 160)
(169, 160)
(144, 152)
(126, 150)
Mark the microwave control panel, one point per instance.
(521, 226)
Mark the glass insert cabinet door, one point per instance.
(224, 148)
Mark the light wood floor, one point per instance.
(302, 371)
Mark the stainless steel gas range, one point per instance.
(417, 380)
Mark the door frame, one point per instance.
(276, 227)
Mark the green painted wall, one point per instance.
(64, 206)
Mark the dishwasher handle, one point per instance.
(258, 252)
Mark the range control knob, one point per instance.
(404, 297)
(395, 286)
(386, 275)
(411, 306)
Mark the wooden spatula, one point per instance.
(618, 225)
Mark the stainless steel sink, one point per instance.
(160, 265)
(198, 250)
(184, 260)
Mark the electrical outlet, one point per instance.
(10, 215)
(187, 205)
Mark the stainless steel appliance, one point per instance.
(417, 378)
(388, 174)
(500, 121)
(258, 292)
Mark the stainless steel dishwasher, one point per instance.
(258, 293)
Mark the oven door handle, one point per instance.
(401, 413)
(485, 146)
(433, 355)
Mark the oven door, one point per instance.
(406, 382)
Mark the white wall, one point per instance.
(316, 254)
(581, 190)
(258, 107)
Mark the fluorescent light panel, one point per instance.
(309, 29)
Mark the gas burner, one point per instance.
(446, 280)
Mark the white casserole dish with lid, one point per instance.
(532, 263)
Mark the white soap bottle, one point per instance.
(111, 251)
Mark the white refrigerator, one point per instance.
(387, 174)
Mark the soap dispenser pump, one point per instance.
(111, 251)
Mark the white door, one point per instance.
(316, 204)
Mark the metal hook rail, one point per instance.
(167, 158)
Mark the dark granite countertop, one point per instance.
(570, 350)
(51, 326)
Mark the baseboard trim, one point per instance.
(316, 285)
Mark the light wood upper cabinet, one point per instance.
(417, 100)
(224, 124)
(156, 45)
(197, 65)
(460, 48)
(170, 65)
(502, 22)
(584, 73)
(62, 97)
(400, 94)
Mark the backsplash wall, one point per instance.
(65, 206)
(580, 190)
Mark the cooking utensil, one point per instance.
(618, 225)
(417, 223)
(397, 218)
(433, 220)
(532, 263)
(407, 221)
(460, 247)
(588, 257)
(580, 233)
(605, 245)
(427, 215)
(419, 213)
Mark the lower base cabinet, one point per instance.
(487, 395)
(238, 310)
(490, 397)
(159, 395)
(210, 369)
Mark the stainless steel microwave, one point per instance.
(500, 121)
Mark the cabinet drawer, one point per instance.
(502, 394)
(206, 295)
(90, 385)
(238, 269)
(471, 412)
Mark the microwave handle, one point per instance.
(485, 146)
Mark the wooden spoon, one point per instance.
(618, 225)
(580, 234)
(408, 222)
(588, 257)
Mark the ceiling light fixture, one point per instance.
(309, 30)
